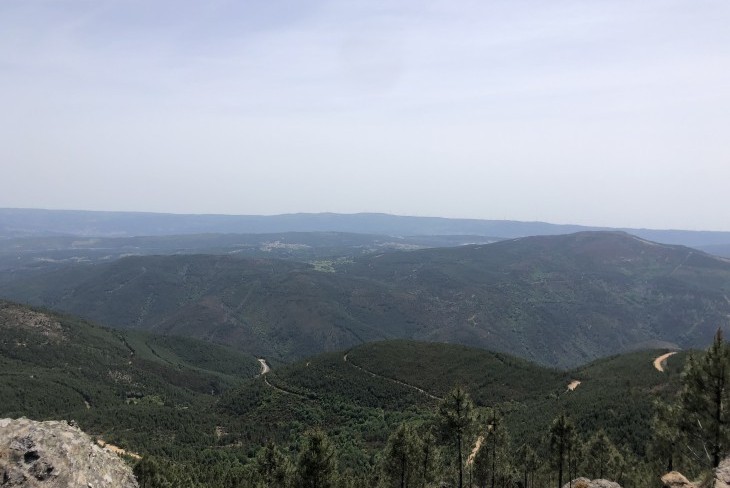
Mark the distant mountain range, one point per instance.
(37, 223)
(33, 254)
(556, 300)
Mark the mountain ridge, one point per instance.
(557, 300)
(36, 222)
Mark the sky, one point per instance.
(595, 112)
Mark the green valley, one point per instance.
(200, 413)
(556, 300)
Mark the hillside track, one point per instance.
(659, 362)
(265, 370)
(392, 380)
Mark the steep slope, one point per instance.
(560, 300)
(61, 367)
(268, 307)
(556, 300)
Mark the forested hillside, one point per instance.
(557, 300)
(196, 412)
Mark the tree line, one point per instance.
(459, 445)
(463, 445)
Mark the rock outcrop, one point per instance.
(675, 479)
(55, 455)
(586, 483)
(722, 474)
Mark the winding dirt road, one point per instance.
(659, 362)
(265, 368)
(393, 380)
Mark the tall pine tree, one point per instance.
(317, 465)
(705, 402)
(456, 415)
(401, 460)
(562, 436)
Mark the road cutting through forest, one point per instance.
(420, 390)
(265, 368)
(659, 362)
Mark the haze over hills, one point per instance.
(36, 222)
(33, 254)
(556, 300)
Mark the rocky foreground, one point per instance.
(674, 479)
(54, 455)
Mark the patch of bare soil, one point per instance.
(117, 450)
(659, 362)
(474, 451)
(22, 318)
(265, 368)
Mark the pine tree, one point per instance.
(666, 435)
(272, 467)
(704, 402)
(491, 459)
(527, 459)
(317, 466)
(456, 415)
(148, 475)
(602, 457)
(562, 433)
(401, 459)
(428, 457)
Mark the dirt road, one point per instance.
(117, 450)
(420, 390)
(659, 362)
(265, 368)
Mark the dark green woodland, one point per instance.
(521, 363)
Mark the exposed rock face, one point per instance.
(56, 454)
(675, 479)
(722, 474)
(586, 483)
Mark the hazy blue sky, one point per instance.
(606, 112)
